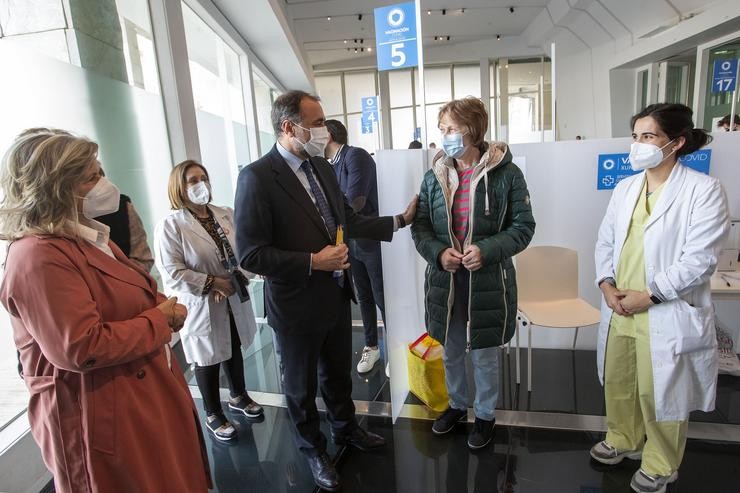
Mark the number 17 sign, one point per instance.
(395, 36)
(724, 77)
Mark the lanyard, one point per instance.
(231, 264)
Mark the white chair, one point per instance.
(547, 283)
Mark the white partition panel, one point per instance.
(568, 210)
(399, 177)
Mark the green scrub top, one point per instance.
(631, 267)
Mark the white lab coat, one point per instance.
(185, 254)
(682, 241)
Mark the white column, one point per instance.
(174, 76)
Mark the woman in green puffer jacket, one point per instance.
(474, 214)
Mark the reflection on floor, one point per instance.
(264, 459)
(563, 381)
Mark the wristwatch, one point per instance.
(653, 298)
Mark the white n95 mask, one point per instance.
(318, 141)
(646, 156)
(200, 193)
(104, 198)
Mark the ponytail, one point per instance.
(675, 120)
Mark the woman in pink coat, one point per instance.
(109, 407)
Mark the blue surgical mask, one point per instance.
(453, 145)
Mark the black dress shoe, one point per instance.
(360, 439)
(324, 474)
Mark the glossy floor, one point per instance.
(264, 459)
(563, 381)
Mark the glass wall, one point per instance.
(341, 97)
(114, 101)
(264, 95)
(219, 104)
(529, 98)
(719, 104)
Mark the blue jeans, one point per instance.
(367, 272)
(485, 361)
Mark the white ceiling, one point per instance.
(534, 23)
(323, 40)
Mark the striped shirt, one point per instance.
(461, 205)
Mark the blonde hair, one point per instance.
(177, 186)
(470, 113)
(40, 174)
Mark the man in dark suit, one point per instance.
(288, 208)
(355, 171)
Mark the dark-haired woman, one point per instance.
(657, 248)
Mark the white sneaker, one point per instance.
(369, 358)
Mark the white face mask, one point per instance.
(317, 143)
(104, 198)
(200, 193)
(646, 156)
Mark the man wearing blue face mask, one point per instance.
(289, 209)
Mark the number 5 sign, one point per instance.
(395, 36)
(724, 77)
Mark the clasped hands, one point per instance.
(627, 301)
(451, 260)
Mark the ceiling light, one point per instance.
(359, 17)
(511, 10)
(448, 38)
(345, 41)
(429, 12)
(356, 52)
(435, 38)
(362, 41)
(498, 37)
(369, 49)
(328, 18)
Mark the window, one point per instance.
(529, 100)
(219, 105)
(329, 89)
(264, 96)
(719, 104)
(122, 48)
(466, 80)
(115, 103)
(642, 84)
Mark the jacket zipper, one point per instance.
(506, 306)
(471, 215)
(451, 294)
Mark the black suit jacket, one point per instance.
(278, 227)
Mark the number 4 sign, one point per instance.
(724, 77)
(395, 36)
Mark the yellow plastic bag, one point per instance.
(427, 372)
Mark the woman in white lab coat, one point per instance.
(657, 248)
(194, 249)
